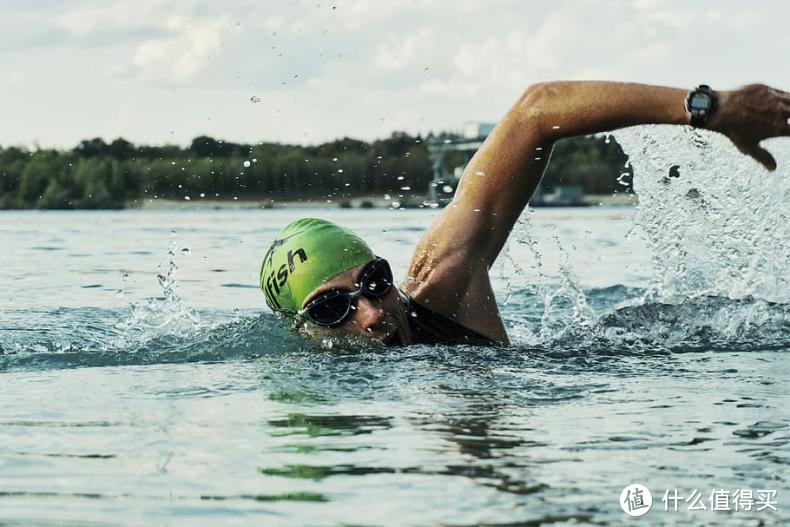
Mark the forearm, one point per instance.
(566, 109)
(501, 177)
(515, 155)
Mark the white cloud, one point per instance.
(357, 70)
(510, 61)
(398, 53)
(189, 49)
(87, 17)
(14, 77)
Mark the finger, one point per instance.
(763, 156)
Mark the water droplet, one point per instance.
(255, 99)
(399, 178)
(185, 252)
(125, 277)
(339, 170)
(187, 198)
(448, 141)
(395, 204)
(247, 164)
(413, 314)
(405, 188)
(447, 189)
(480, 173)
(202, 194)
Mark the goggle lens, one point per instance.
(332, 308)
(376, 281)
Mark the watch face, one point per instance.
(700, 101)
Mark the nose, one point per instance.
(368, 315)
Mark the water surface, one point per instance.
(143, 382)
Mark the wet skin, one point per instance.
(449, 269)
(382, 319)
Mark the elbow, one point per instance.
(536, 108)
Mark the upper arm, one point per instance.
(449, 268)
(494, 189)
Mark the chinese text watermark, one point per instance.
(636, 500)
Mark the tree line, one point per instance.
(97, 174)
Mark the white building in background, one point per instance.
(477, 130)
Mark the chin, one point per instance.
(392, 339)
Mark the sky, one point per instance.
(165, 71)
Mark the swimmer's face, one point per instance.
(383, 319)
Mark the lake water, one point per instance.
(142, 380)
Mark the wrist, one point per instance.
(701, 104)
(716, 121)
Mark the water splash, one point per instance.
(715, 221)
(164, 315)
(716, 226)
(555, 295)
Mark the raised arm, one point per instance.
(498, 182)
(515, 155)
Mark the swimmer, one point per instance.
(328, 283)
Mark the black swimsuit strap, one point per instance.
(429, 327)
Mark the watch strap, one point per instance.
(700, 117)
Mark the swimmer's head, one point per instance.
(311, 257)
(304, 255)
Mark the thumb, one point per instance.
(760, 154)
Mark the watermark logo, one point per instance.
(636, 500)
(722, 500)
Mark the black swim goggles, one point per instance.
(332, 308)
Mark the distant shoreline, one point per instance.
(371, 202)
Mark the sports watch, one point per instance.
(701, 103)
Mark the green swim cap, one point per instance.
(304, 255)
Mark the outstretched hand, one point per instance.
(751, 114)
